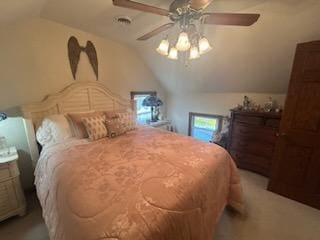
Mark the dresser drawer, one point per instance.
(4, 172)
(273, 122)
(251, 162)
(8, 198)
(249, 120)
(252, 147)
(12, 201)
(252, 139)
(248, 133)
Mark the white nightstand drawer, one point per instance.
(4, 171)
(12, 201)
(8, 199)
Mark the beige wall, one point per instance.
(34, 62)
(179, 106)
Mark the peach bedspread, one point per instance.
(149, 184)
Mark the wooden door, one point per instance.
(296, 164)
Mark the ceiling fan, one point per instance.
(186, 12)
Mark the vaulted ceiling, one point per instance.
(243, 59)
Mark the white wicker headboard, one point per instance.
(77, 97)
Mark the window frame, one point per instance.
(134, 93)
(207, 115)
(137, 93)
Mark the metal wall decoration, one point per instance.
(74, 51)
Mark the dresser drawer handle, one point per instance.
(242, 144)
(243, 131)
(238, 155)
(281, 134)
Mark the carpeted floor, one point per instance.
(269, 217)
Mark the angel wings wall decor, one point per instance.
(74, 51)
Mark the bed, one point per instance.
(146, 184)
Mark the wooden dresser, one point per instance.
(252, 139)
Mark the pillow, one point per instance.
(53, 129)
(127, 119)
(115, 127)
(95, 127)
(77, 126)
(110, 114)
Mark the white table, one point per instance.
(163, 124)
(12, 156)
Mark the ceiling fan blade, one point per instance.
(155, 32)
(238, 19)
(141, 7)
(199, 4)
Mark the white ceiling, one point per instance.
(244, 59)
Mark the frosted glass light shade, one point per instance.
(194, 53)
(173, 54)
(204, 45)
(163, 47)
(183, 43)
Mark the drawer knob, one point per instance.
(283, 134)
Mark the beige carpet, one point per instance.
(29, 227)
(269, 217)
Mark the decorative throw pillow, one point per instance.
(114, 127)
(77, 126)
(127, 119)
(53, 129)
(110, 114)
(95, 127)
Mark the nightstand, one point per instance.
(12, 200)
(163, 124)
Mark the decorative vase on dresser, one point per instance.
(252, 138)
(12, 200)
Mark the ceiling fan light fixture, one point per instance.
(183, 43)
(173, 53)
(194, 53)
(204, 45)
(163, 48)
(187, 13)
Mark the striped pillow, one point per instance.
(95, 127)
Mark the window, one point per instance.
(143, 113)
(203, 126)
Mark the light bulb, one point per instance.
(163, 47)
(183, 43)
(204, 45)
(194, 53)
(173, 53)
